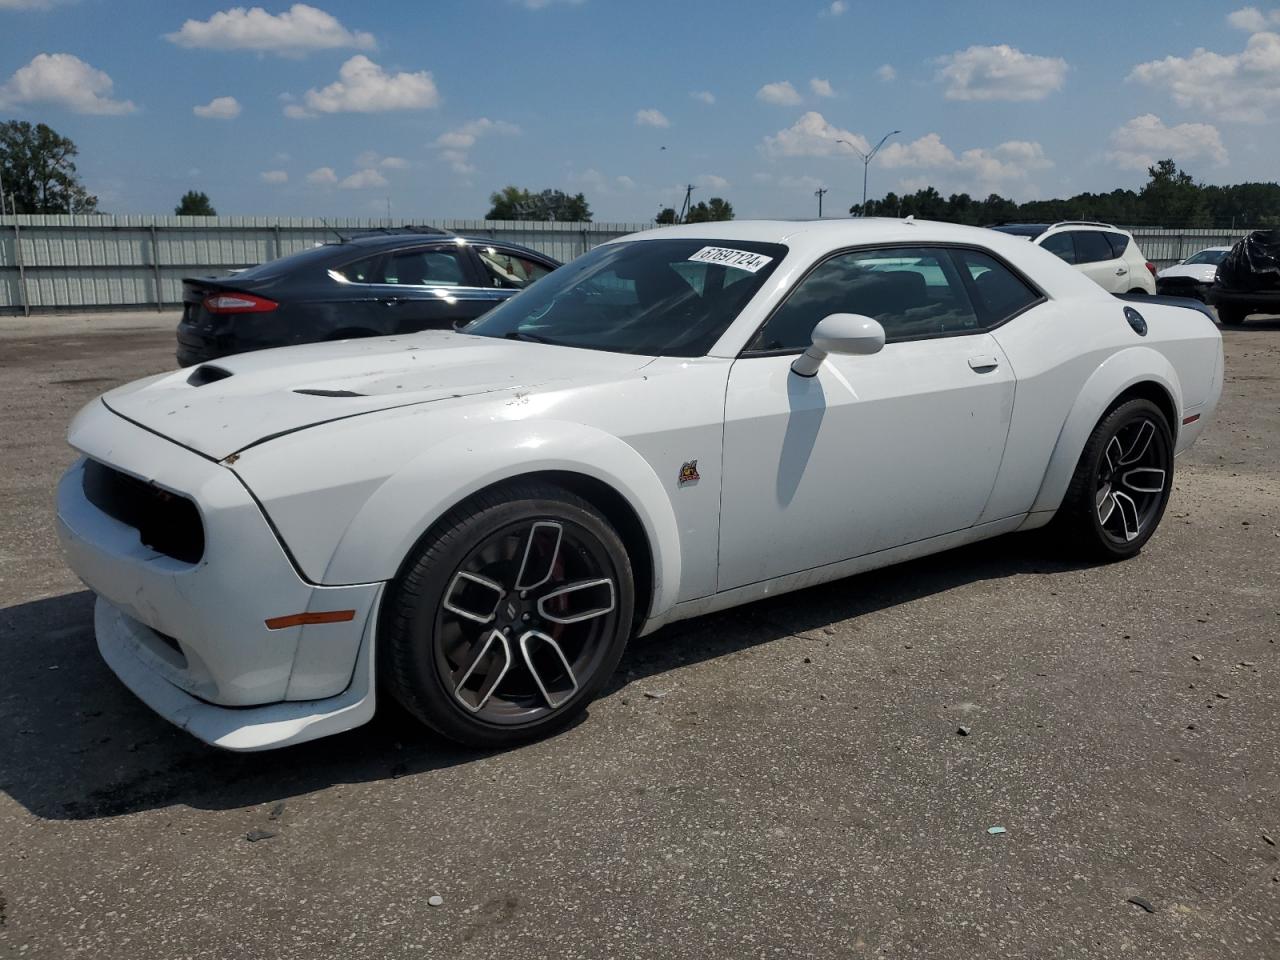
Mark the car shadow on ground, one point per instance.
(76, 745)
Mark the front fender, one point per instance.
(392, 519)
(1114, 376)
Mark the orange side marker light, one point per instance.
(302, 619)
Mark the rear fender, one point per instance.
(1113, 377)
(392, 520)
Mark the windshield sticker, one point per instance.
(738, 259)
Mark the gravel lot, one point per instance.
(781, 780)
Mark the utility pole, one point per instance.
(688, 203)
(819, 194)
(866, 164)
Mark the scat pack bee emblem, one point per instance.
(689, 473)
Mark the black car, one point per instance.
(1248, 279)
(367, 286)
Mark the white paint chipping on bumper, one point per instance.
(124, 644)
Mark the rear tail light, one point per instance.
(238, 303)
(1152, 267)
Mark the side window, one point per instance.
(1000, 292)
(510, 270)
(359, 271)
(1092, 246)
(1119, 243)
(914, 292)
(425, 267)
(1060, 245)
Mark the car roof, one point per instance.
(857, 229)
(401, 238)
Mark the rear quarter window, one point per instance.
(1119, 243)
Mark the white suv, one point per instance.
(1105, 254)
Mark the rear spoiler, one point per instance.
(1186, 302)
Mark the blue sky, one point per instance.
(337, 108)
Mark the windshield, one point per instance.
(669, 298)
(1207, 256)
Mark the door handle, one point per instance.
(1121, 271)
(983, 364)
(390, 301)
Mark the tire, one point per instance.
(1232, 316)
(484, 662)
(1138, 292)
(1115, 500)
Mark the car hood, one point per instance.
(219, 408)
(1203, 272)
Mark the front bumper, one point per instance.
(1182, 287)
(191, 639)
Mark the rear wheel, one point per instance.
(510, 617)
(1122, 483)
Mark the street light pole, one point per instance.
(866, 164)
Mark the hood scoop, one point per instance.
(207, 373)
(317, 392)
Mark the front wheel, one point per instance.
(1122, 483)
(509, 618)
(1231, 316)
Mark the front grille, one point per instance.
(167, 523)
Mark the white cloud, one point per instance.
(363, 180)
(704, 96)
(1012, 161)
(63, 80)
(1253, 20)
(364, 87)
(371, 158)
(821, 88)
(711, 181)
(811, 136)
(1145, 139)
(274, 176)
(837, 8)
(594, 183)
(455, 145)
(297, 31)
(1242, 87)
(219, 108)
(651, 118)
(1000, 73)
(322, 176)
(886, 73)
(781, 94)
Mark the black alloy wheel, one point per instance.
(1122, 482)
(510, 618)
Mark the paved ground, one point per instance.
(798, 789)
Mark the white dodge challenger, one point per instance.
(679, 421)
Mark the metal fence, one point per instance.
(50, 263)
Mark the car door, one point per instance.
(1098, 260)
(433, 287)
(874, 451)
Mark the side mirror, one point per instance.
(840, 333)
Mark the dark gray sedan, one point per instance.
(368, 286)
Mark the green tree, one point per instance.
(709, 211)
(1171, 197)
(37, 166)
(195, 203)
(666, 215)
(517, 203)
